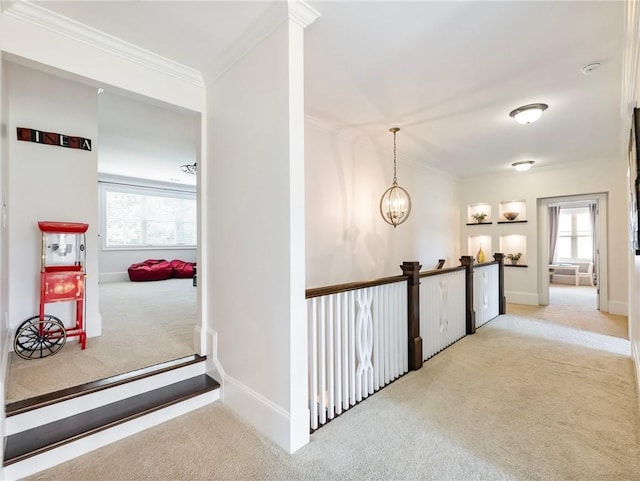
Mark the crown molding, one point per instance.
(37, 15)
(260, 29)
(319, 123)
(274, 16)
(302, 13)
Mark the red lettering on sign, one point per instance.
(50, 138)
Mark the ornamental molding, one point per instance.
(36, 15)
(302, 13)
(273, 17)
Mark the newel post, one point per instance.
(412, 271)
(502, 301)
(467, 262)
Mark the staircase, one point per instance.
(47, 430)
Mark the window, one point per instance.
(574, 235)
(139, 217)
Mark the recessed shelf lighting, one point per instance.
(528, 113)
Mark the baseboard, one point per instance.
(618, 308)
(269, 418)
(635, 357)
(522, 298)
(4, 365)
(112, 277)
(214, 368)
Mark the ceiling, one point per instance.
(446, 73)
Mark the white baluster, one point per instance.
(313, 361)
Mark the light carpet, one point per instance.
(521, 399)
(143, 323)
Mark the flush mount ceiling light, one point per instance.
(395, 204)
(528, 113)
(189, 168)
(590, 68)
(522, 166)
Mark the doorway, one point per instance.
(71, 366)
(572, 252)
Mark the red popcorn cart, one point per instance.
(62, 277)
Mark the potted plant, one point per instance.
(479, 217)
(514, 258)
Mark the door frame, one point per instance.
(601, 233)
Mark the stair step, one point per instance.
(37, 402)
(34, 441)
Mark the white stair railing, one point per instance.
(357, 344)
(442, 310)
(485, 292)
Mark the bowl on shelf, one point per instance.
(511, 215)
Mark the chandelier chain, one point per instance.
(395, 176)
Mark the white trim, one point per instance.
(214, 368)
(106, 187)
(635, 357)
(54, 412)
(90, 443)
(618, 308)
(526, 298)
(302, 13)
(37, 15)
(259, 30)
(543, 245)
(154, 184)
(266, 416)
(106, 277)
(319, 124)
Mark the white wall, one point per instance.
(63, 189)
(79, 55)
(347, 240)
(597, 176)
(5, 338)
(256, 200)
(631, 98)
(113, 264)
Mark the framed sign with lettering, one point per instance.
(51, 138)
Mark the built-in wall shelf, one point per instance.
(512, 211)
(513, 244)
(511, 222)
(482, 210)
(480, 223)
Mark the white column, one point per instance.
(256, 229)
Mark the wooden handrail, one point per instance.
(351, 286)
(437, 272)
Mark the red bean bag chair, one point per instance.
(150, 270)
(182, 269)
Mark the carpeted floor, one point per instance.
(575, 306)
(522, 399)
(144, 323)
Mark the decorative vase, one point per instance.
(514, 261)
(480, 255)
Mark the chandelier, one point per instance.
(395, 204)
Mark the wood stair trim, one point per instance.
(34, 441)
(36, 402)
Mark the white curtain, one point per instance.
(594, 240)
(554, 221)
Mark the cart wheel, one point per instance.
(37, 338)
